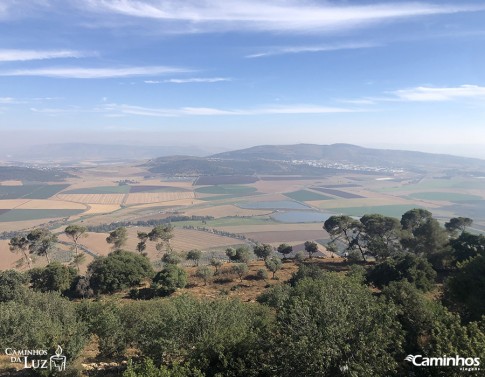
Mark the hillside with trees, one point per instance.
(403, 287)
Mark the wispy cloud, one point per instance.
(25, 55)
(189, 80)
(271, 15)
(209, 111)
(429, 94)
(310, 49)
(94, 73)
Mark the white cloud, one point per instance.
(25, 55)
(428, 94)
(189, 80)
(197, 80)
(271, 15)
(307, 49)
(208, 111)
(93, 73)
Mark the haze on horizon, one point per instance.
(401, 75)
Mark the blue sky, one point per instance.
(228, 74)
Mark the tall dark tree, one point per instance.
(162, 234)
(467, 246)
(142, 244)
(118, 238)
(458, 224)
(347, 230)
(42, 242)
(285, 249)
(20, 244)
(311, 248)
(75, 232)
(381, 235)
(263, 251)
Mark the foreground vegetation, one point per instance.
(409, 287)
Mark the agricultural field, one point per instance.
(306, 195)
(29, 191)
(267, 209)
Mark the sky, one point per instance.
(222, 74)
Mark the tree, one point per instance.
(119, 270)
(194, 255)
(414, 269)
(467, 246)
(171, 258)
(142, 244)
(285, 249)
(205, 273)
(75, 232)
(162, 234)
(381, 235)
(465, 291)
(346, 230)
(12, 285)
(240, 269)
(41, 242)
(320, 330)
(20, 244)
(242, 254)
(169, 279)
(311, 248)
(273, 264)
(424, 236)
(55, 277)
(458, 223)
(118, 238)
(216, 263)
(263, 251)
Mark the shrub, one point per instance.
(169, 279)
(12, 285)
(119, 270)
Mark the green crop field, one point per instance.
(444, 196)
(387, 210)
(30, 191)
(305, 195)
(36, 214)
(226, 190)
(228, 221)
(124, 189)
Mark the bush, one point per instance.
(241, 255)
(119, 270)
(54, 277)
(205, 273)
(12, 285)
(42, 321)
(148, 369)
(262, 274)
(311, 271)
(240, 269)
(169, 279)
(410, 267)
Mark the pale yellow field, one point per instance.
(155, 197)
(173, 203)
(12, 203)
(11, 183)
(93, 198)
(50, 204)
(270, 227)
(101, 208)
(7, 258)
(225, 210)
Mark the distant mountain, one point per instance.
(311, 159)
(352, 154)
(77, 152)
(28, 174)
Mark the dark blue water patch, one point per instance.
(301, 216)
(276, 205)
